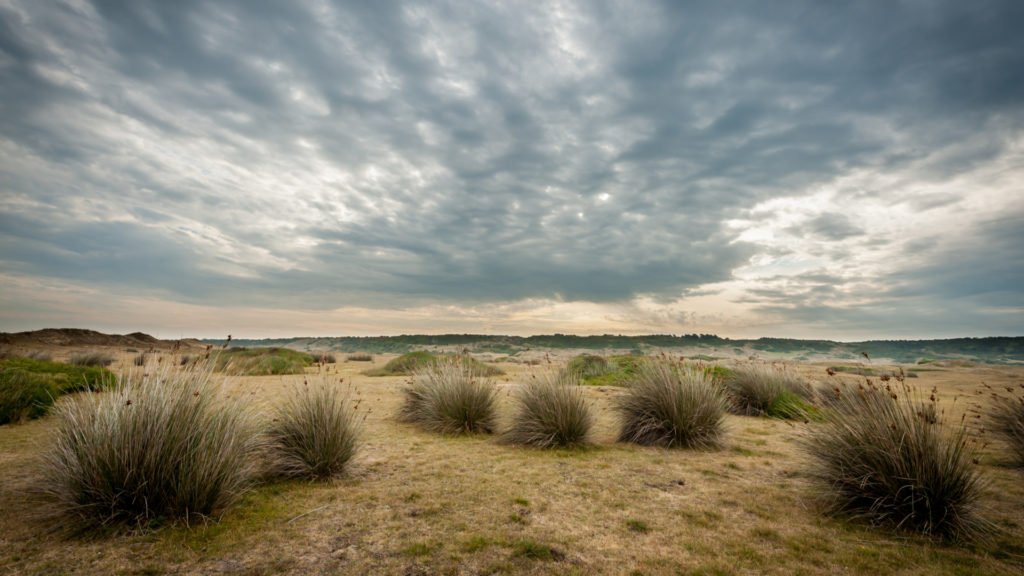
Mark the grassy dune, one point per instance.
(416, 502)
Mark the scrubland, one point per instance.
(409, 500)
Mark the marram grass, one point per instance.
(314, 433)
(551, 412)
(673, 405)
(449, 398)
(164, 447)
(888, 457)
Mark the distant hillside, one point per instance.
(1000, 350)
(81, 337)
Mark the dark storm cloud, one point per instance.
(470, 151)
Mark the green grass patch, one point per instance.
(263, 361)
(526, 548)
(28, 388)
(411, 362)
(619, 370)
(638, 526)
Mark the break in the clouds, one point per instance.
(747, 168)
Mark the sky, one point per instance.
(841, 170)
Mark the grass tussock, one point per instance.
(262, 361)
(314, 433)
(359, 358)
(91, 358)
(28, 388)
(140, 360)
(887, 457)
(674, 405)
(162, 447)
(413, 362)
(448, 397)
(758, 389)
(1007, 422)
(551, 412)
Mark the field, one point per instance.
(420, 503)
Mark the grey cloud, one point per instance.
(473, 152)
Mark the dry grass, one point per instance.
(420, 503)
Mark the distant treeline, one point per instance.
(992, 349)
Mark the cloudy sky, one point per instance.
(843, 170)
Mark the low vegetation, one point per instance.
(359, 358)
(887, 457)
(1007, 423)
(412, 362)
(262, 361)
(91, 358)
(589, 365)
(758, 389)
(672, 404)
(323, 357)
(551, 412)
(314, 433)
(448, 397)
(617, 370)
(28, 388)
(162, 447)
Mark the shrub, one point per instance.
(762, 389)
(314, 434)
(673, 405)
(91, 358)
(551, 412)
(1008, 423)
(887, 457)
(359, 358)
(448, 397)
(411, 362)
(140, 360)
(29, 387)
(169, 446)
(323, 357)
(588, 365)
(262, 361)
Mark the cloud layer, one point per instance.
(787, 168)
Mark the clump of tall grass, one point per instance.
(672, 404)
(551, 412)
(359, 358)
(162, 447)
(448, 397)
(41, 355)
(758, 389)
(140, 360)
(91, 358)
(1007, 423)
(887, 456)
(314, 433)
